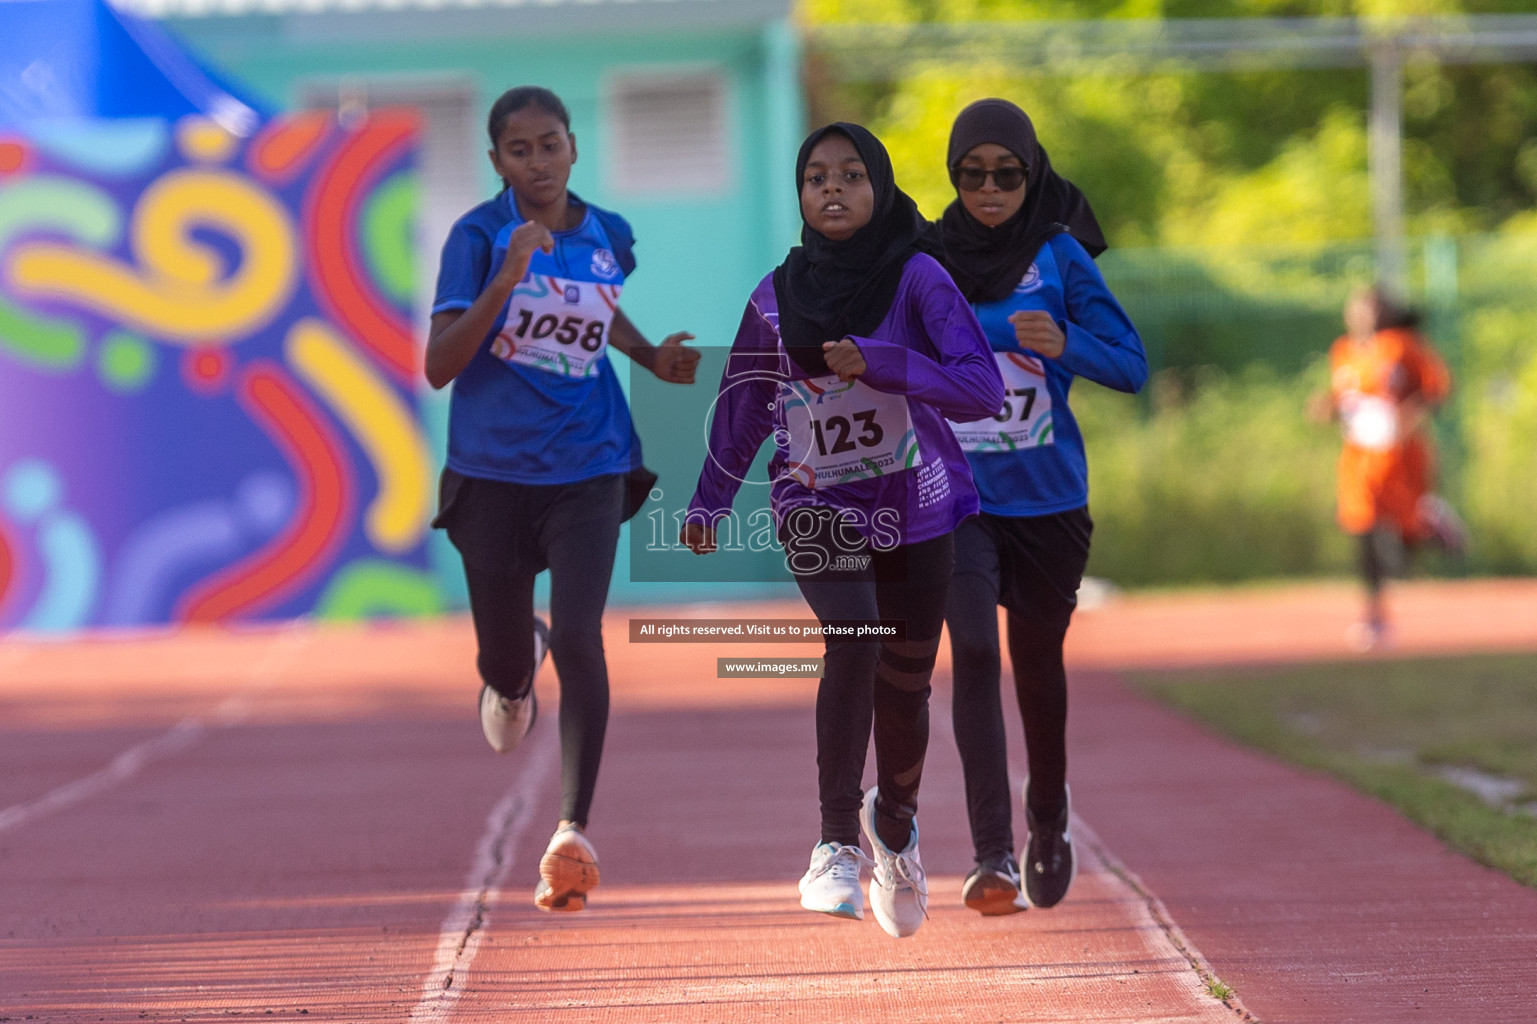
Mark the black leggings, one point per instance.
(884, 683)
(507, 534)
(1032, 566)
(1382, 556)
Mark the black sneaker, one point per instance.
(992, 888)
(1049, 861)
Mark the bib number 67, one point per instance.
(1028, 394)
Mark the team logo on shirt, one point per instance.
(603, 263)
(1031, 281)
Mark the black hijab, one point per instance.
(987, 263)
(827, 290)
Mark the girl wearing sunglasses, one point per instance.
(1019, 241)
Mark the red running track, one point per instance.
(304, 824)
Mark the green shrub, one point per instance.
(1224, 480)
(1214, 475)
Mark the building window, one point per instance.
(667, 133)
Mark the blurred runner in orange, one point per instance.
(1385, 382)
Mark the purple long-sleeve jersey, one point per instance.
(878, 447)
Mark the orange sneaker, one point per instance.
(568, 871)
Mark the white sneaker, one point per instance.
(899, 892)
(568, 871)
(506, 721)
(1366, 637)
(1446, 526)
(831, 884)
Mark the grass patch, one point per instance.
(1393, 729)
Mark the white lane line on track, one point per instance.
(123, 767)
(1158, 919)
(133, 760)
(460, 936)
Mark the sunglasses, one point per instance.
(970, 179)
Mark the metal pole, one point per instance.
(1385, 158)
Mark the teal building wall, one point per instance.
(700, 252)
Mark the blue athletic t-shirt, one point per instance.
(1029, 459)
(540, 403)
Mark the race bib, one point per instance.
(1025, 419)
(557, 325)
(1370, 421)
(841, 432)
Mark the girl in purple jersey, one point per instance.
(851, 355)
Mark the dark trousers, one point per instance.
(1382, 555)
(1032, 566)
(866, 684)
(509, 533)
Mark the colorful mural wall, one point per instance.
(208, 374)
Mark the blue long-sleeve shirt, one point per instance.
(1029, 460)
(880, 447)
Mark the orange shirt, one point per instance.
(1386, 464)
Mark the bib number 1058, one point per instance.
(569, 330)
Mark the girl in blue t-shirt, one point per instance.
(543, 462)
(1019, 241)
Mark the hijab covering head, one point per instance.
(826, 289)
(987, 263)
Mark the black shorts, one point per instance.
(1038, 561)
(506, 528)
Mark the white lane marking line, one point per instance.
(462, 930)
(123, 767)
(1159, 916)
(1159, 920)
(133, 760)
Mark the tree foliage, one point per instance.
(1239, 212)
(1181, 157)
